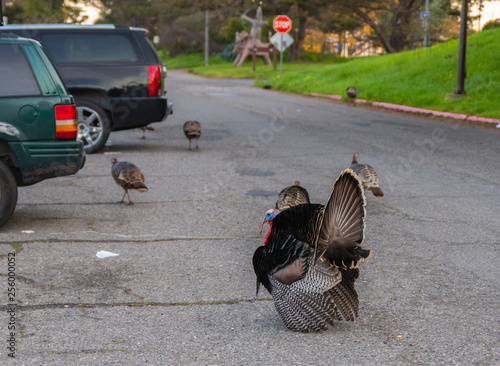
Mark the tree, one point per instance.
(42, 11)
(300, 11)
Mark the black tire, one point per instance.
(8, 193)
(94, 125)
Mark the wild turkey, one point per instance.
(127, 176)
(146, 128)
(352, 92)
(192, 130)
(310, 259)
(292, 196)
(367, 175)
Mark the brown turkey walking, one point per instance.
(352, 92)
(127, 176)
(192, 130)
(310, 259)
(146, 128)
(292, 196)
(367, 175)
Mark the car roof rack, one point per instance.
(121, 27)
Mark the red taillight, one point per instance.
(66, 122)
(154, 80)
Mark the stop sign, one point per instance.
(282, 24)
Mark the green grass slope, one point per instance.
(419, 78)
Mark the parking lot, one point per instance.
(182, 289)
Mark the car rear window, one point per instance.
(81, 48)
(151, 49)
(16, 76)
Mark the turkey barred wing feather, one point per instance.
(345, 296)
(302, 305)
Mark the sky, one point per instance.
(491, 11)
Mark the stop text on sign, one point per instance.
(282, 24)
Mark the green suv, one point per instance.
(38, 121)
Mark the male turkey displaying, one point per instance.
(292, 196)
(367, 175)
(310, 259)
(192, 130)
(127, 176)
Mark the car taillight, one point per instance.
(66, 122)
(154, 80)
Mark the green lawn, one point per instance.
(419, 78)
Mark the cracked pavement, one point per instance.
(182, 289)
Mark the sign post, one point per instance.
(282, 24)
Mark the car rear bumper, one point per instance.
(170, 108)
(138, 112)
(43, 160)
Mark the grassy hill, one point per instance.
(418, 78)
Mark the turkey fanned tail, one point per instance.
(343, 223)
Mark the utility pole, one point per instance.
(462, 47)
(206, 37)
(426, 24)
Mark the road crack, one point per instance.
(132, 304)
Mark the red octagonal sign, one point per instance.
(282, 24)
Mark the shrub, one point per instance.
(492, 24)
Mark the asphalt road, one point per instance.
(182, 289)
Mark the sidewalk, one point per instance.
(403, 108)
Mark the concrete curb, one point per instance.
(416, 110)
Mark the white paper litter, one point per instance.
(498, 126)
(104, 254)
(27, 231)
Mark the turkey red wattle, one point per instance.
(268, 232)
(270, 215)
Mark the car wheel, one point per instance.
(94, 125)
(8, 193)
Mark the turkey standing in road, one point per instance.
(310, 259)
(127, 176)
(292, 196)
(352, 92)
(192, 130)
(146, 128)
(367, 175)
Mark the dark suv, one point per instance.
(113, 72)
(38, 121)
